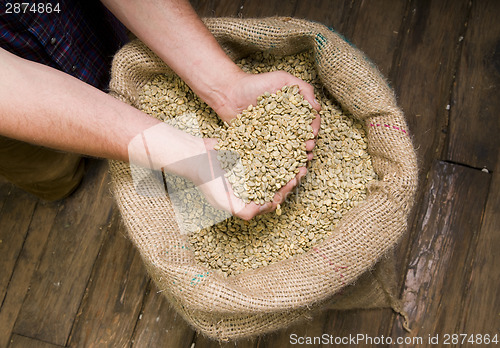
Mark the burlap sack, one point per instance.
(274, 296)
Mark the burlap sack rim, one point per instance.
(397, 189)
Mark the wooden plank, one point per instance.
(423, 71)
(28, 260)
(474, 122)
(482, 303)
(437, 275)
(474, 140)
(15, 219)
(256, 9)
(336, 14)
(372, 323)
(377, 31)
(59, 283)
(219, 8)
(114, 297)
(18, 341)
(159, 322)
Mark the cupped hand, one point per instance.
(245, 88)
(244, 91)
(217, 190)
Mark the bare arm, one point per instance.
(172, 29)
(46, 107)
(43, 106)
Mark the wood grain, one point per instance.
(15, 220)
(27, 262)
(256, 8)
(423, 70)
(159, 322)
(474, 128)
(422, 74)
(114, 297)
(437, 274)
(218, 8)
(18, 341)
(336, 14)
(474, 122)
(377, 31)
(482, 303)
(59, 283)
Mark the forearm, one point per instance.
(43, 106)
(172, 29)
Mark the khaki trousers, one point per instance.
(46, 173)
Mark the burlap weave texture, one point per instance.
(274, 296)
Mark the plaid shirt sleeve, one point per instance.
(80, 39)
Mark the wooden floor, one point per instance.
(70, 278)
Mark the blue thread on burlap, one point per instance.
(198, 277)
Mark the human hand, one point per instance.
(217, 190)
(245, 88)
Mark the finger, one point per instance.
(284, 191)
(310, 144)
(268, 207)
(310, 156)
(308, 92)
(281, 195)
(265, 208)
(278, 198)
(249, 211)
(302, 172)
(316, 124)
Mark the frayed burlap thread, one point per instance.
(272, 297)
